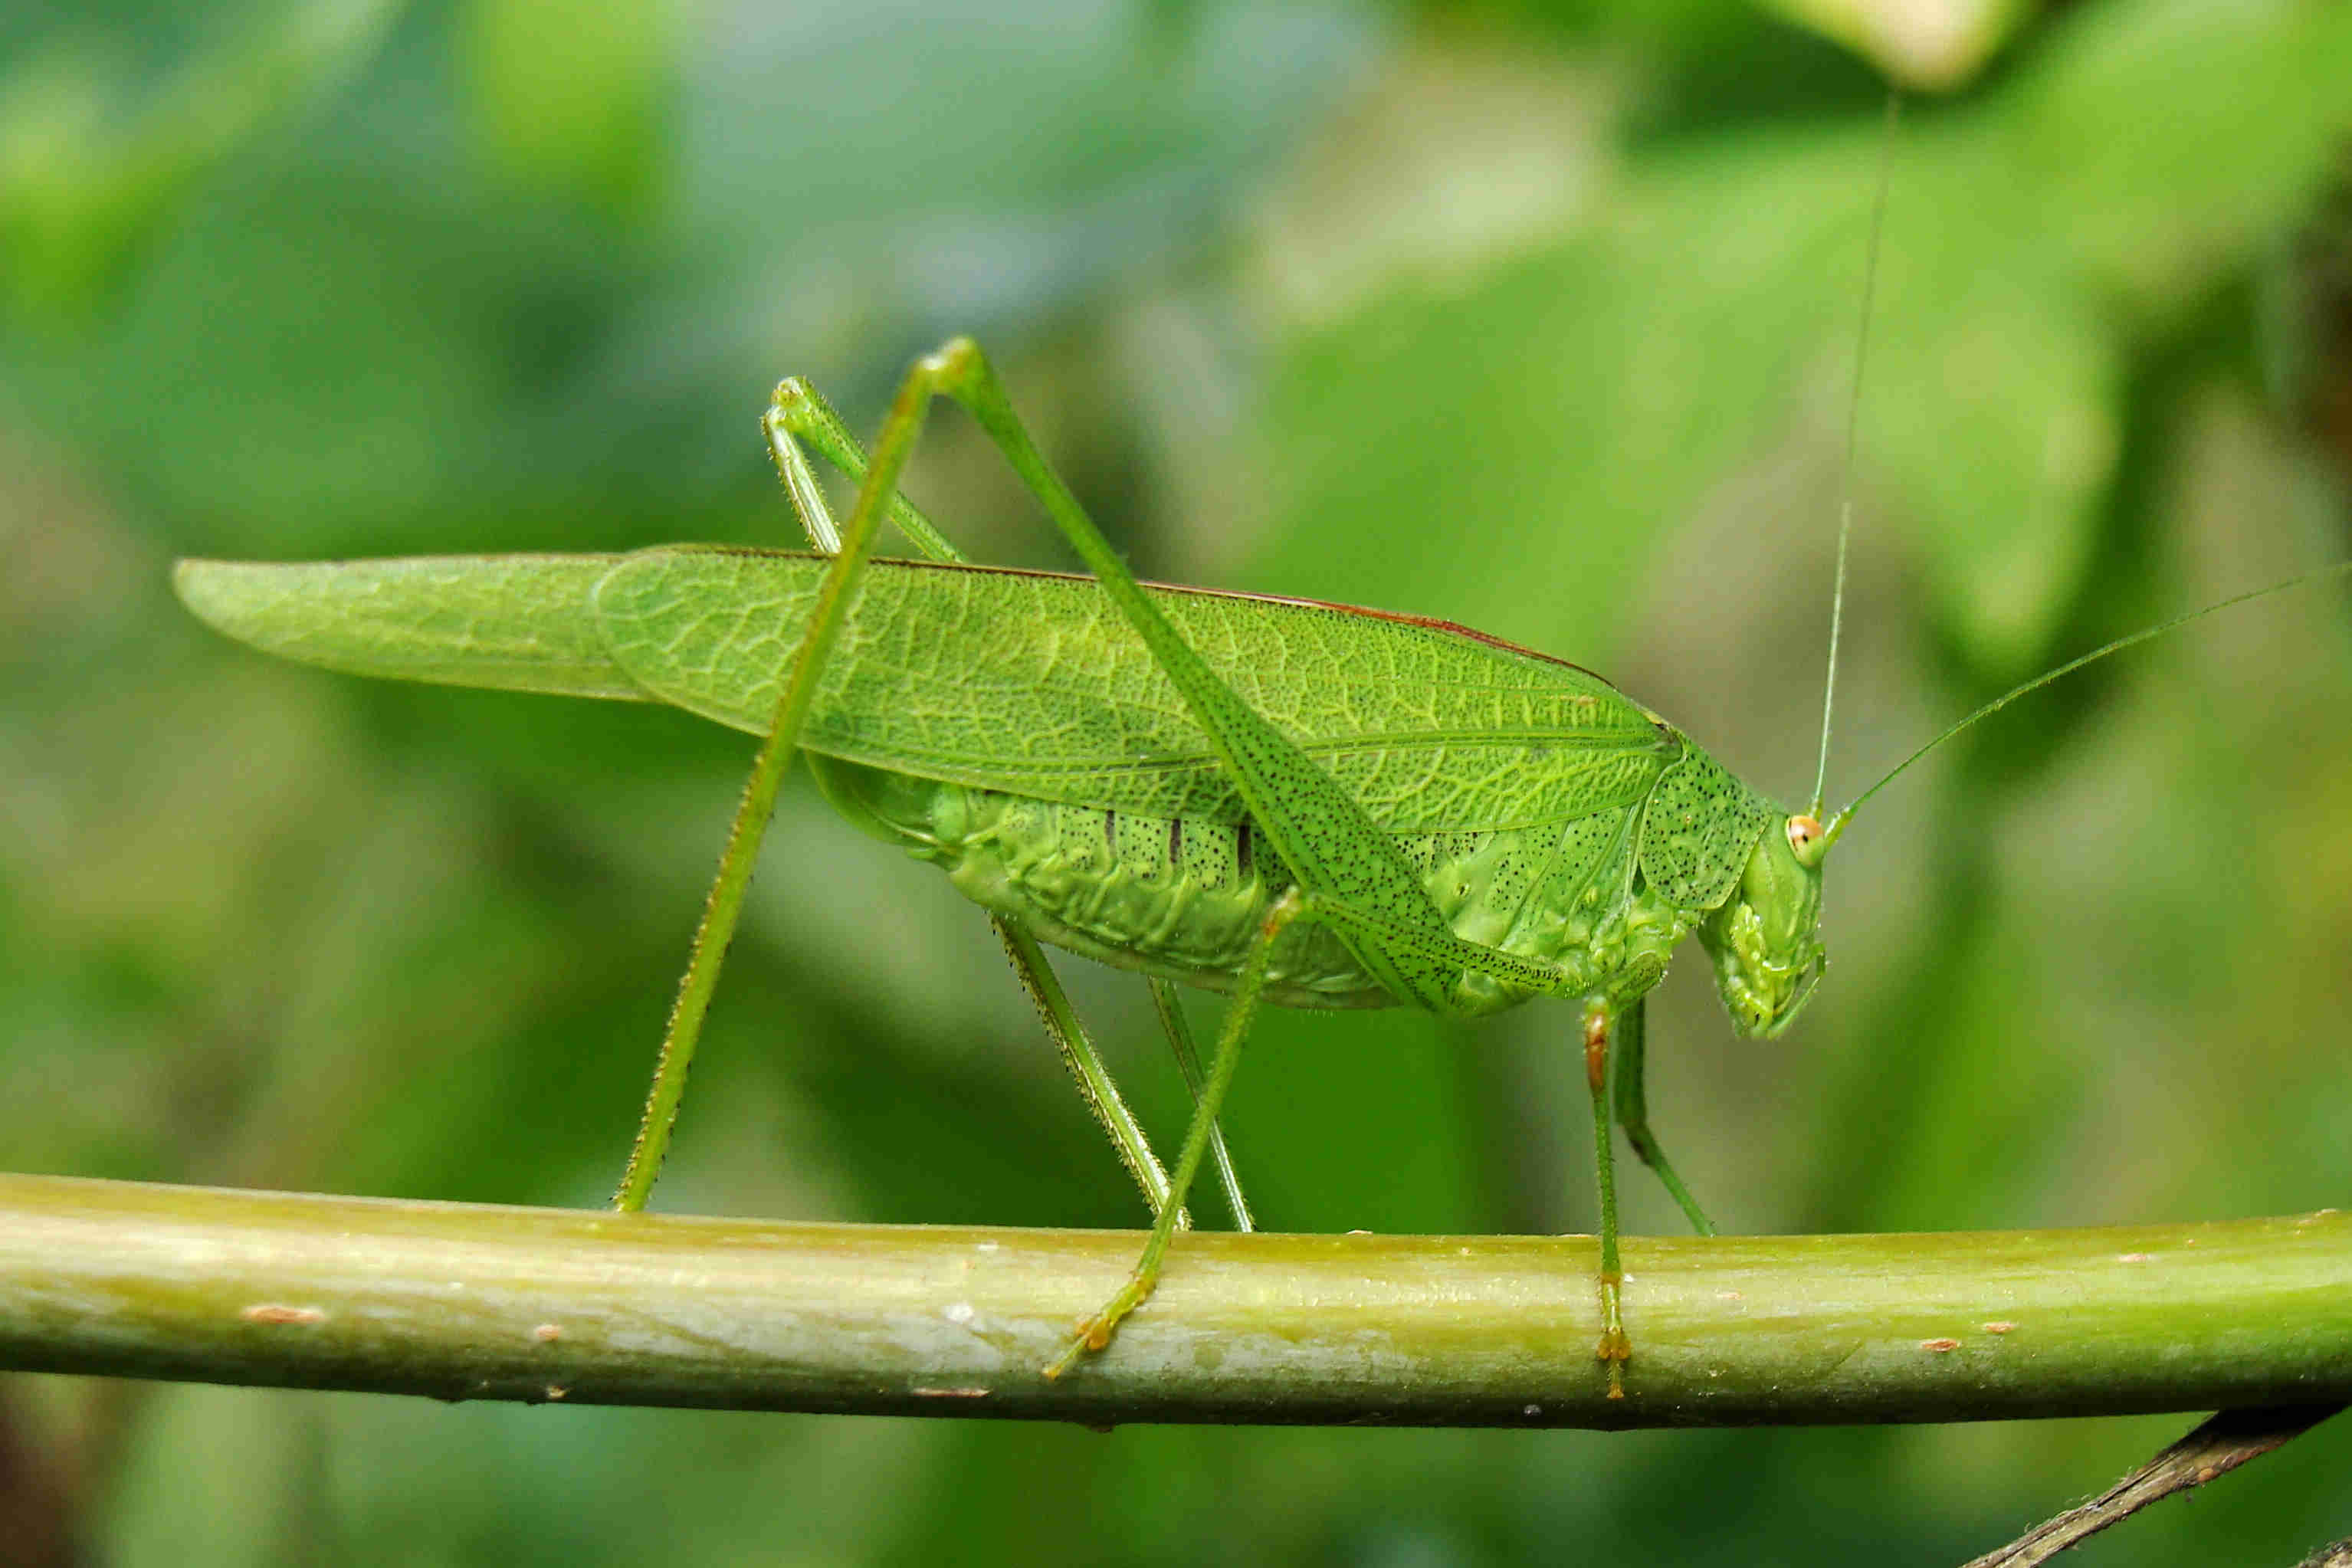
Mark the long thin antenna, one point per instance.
(1853, 441)
(1837, 823)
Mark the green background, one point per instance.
(1539, 319)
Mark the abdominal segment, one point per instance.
(1184, 898)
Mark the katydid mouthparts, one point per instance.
(1295, 802)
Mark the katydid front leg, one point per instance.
(1616, 1348)
(1172, 1023)
(1630, 1046)
(1350, 876)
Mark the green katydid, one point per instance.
(1296, 803)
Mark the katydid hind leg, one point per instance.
(959, 371)
(1349, 875)
(1322, 833)
(707, 953)
(712, 937)
(1630, 1047)
(799, 481)
(1095, 1333)
(797, 412)
(1360, 881)
(724, 908)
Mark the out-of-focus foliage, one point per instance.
(98, 146)
(1536, 317)
(1918, 43)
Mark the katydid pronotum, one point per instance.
(1296, 803)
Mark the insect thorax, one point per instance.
(1184, 899)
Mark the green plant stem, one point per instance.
(463, 1302)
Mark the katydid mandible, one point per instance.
(1433, 817)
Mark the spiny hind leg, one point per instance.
(1095, 1333)
(1634, 1111)
(852, 550)
(723, 908)
(797, 412)
(1322, 830)
(1296, 907)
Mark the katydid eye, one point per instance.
(1804, 832)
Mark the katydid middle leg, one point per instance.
(1096, 1088)
(1171, 1006)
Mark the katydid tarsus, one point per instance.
(1425, 817)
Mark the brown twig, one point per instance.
(2218, 1447)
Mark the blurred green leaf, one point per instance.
(1926, 43)
(585, 120)
(1701, 294)
(86, 183)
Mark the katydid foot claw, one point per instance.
(1093, 1334)
(1615, 1350)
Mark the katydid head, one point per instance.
(1766, 938)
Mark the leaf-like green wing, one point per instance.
(1032, 683)
(1027, 682)
(520, 623)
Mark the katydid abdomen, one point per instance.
(1009, 728)
(1183, 898)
